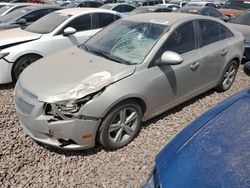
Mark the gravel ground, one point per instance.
(24, 163)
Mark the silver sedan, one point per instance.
(131, 71)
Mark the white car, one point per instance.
(52, 33)
(13, 6)
(170, 5)
(202, 4)
(2, 4)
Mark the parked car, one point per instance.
(2, 4)
(61, 2)
(233, 8)
(9, 8)
(147, 9)
(242, 24)
(147, 2)
(212, 151)
(119, 7)
(25, 16)
(205, 11)
(84, 3)
(170, 5)
(180, 3)
(201, 4)
(52, 33)
(131, 71)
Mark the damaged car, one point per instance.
(52, 33)
(133, 70)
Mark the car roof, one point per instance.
(193, 7)
(166, 17)
(20, 4)
(39, 6)
(77, 11)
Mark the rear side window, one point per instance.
(182, 39)
(225, 33)
(105, 19)
(210, 32)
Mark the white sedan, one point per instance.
(52, 33)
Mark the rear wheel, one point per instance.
(228, 78)
(22, 63)
(121, 125)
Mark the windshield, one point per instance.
(14, 15)
(243, 19)
(127, 42)
(47, 23)
(5, 8)
(244, 5)
(72, 4)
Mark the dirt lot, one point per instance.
(24, 163)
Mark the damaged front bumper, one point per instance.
(74, 134)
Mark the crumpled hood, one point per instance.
(71, 74)
(17, 35)
(244, 29)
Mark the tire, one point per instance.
(228, 76)
(22, 63)
(117, 129)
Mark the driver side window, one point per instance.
(81, 23)
(182, 40)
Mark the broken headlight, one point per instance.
(68, 109)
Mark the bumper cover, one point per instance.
(76, 133)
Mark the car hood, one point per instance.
(71, 74)
(231, 12)
(213, 150)
(244, 29)
(13, 36)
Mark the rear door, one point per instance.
(214, 48)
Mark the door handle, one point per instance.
(194, 66)
(224, 52)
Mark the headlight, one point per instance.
(68, 109)
(3, 54)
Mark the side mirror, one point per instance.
(69, 31)
(170, 58)
(21, 21)
(247, 68)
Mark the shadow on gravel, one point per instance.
(7, 86)
(68, 153)
(178, 108)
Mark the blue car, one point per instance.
(213, 151)
(242, 24)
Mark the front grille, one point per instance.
(23, 106)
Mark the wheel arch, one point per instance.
(20, 57)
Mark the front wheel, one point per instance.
(22, 63)
(228, 78)
(121, 125)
